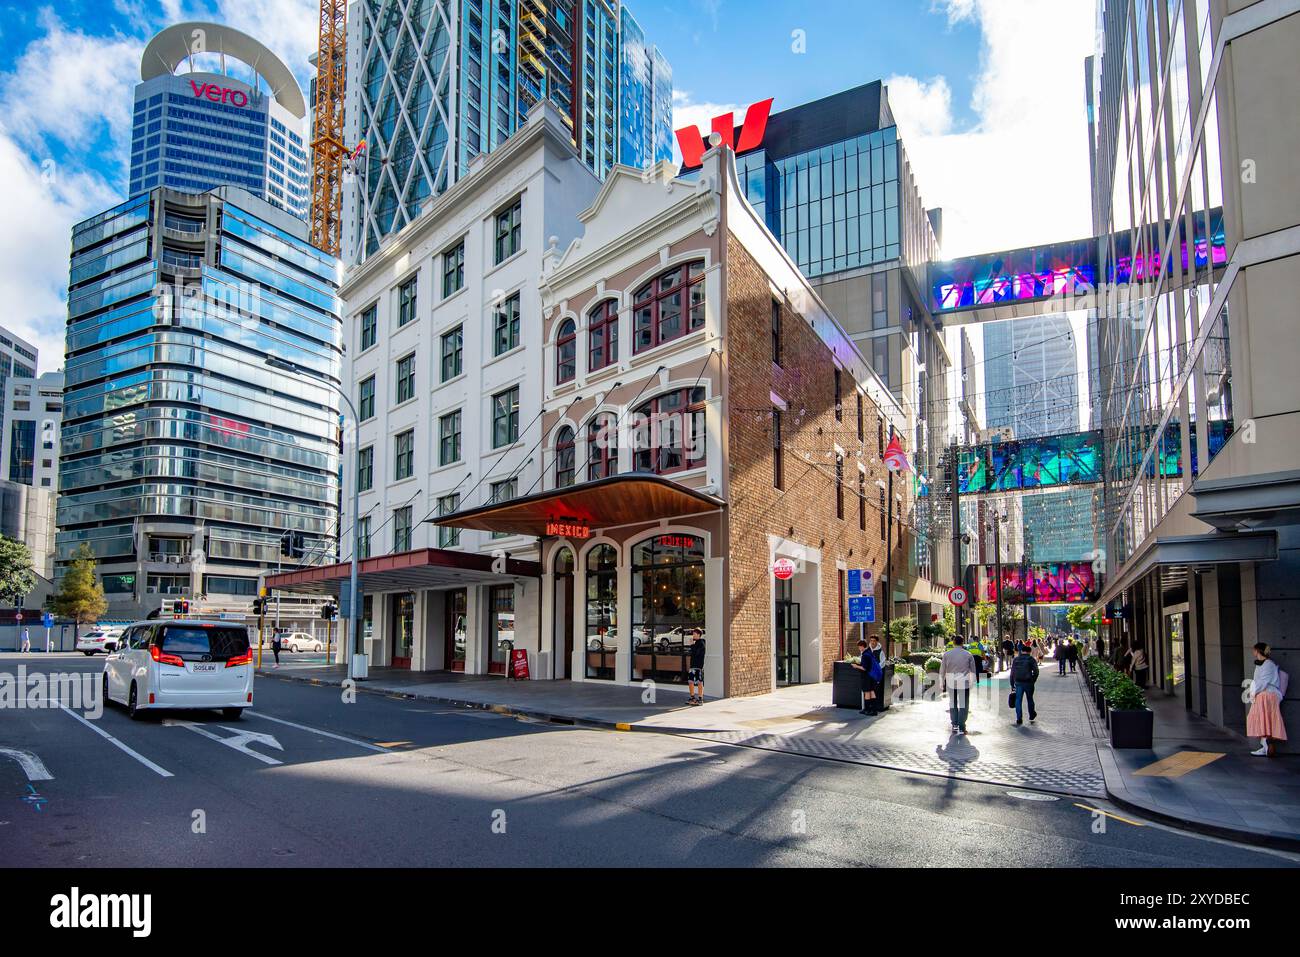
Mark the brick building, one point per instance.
(704, 415)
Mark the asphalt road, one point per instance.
(396, 782)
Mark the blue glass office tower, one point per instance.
(198, 129)
(443, 81)
(185, 456)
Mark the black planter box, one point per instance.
(1132, 729)
(886, 691)
(846, 686)
(1100, 701)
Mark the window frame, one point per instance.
(511, 217)
(400, 456)
(503, 322)
(366, 471)
(406, 305)
(404, 381)
(363, 399)
(603, 318)
(510, 417)
(566, 369)
(400, 537)
(778, 456)
(777, 339)
(566, 457)
(455, 438)
(457, 355)
(687, 413)
(454, 268)
(448, 537)
(369, 323)
(658, 296)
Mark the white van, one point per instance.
(181, 664)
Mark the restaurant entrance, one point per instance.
(454, 629)
(562, 618)
(402, 622)
(787, 634)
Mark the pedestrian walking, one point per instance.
(1138, 666)
(1024, 675)
(1267, 689)
(1061, 655)
(1101, 647)
(276, 638)
(957, 668)
(27, 641)
(695, 675)
(1008, 652)
(1072, 655)
(872, 672)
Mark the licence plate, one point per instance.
(204, 666)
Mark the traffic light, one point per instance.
(328, 611)
(259, 607)
(185, 606)
(293, 545)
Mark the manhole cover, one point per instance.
(1032, 796)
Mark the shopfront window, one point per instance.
(501, 637)
(403, 622)
(668, 601)
(602, 611)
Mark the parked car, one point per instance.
(181, 664)
(99, 640)
(301, 641)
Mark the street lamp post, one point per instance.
(998, 519)
(357, 668)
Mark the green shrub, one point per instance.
(932, 664)
(904, 668)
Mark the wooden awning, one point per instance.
(405, 571)
(576, 511)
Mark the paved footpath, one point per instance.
(1056, 753)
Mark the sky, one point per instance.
(988, 95)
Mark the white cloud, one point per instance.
(957, 10)
(1020, 175)
(686, 113)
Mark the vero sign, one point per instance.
(219, 94)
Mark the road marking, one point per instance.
(32, 766)
(135, 754)
(240, 741)
(1097, 810)
(1176, 765)
(328, 734)
(393, 744)
(1032, 796)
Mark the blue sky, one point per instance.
(988, 96)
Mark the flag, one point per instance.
(895, 457)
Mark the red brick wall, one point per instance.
(805, 380)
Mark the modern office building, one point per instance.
(1199, 396)
(186, 455)
(29, 443)
(832, 182)
(215, 107)
(434, 83)
(17, 358)
(445, 357)
(1031, 384)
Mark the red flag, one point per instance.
(895, 457)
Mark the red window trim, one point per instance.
(658, 297)
(569, 338)
(603, 316)
(684, 412)
(569, 445)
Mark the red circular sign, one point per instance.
(957, 595)
(783, 568)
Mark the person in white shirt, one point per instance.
(957, 669)
(1138, 666)
(1264, 720)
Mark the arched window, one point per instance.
(566, 352)
(668, 306)
(668, 432)
(602, 447)
(668, 598)
(602, 611)
(565, 457)
(602, 335)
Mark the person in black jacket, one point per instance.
(1072, 655)
(1008, 653)
(695, 676)
(1024, 675)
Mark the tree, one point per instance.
(901, 631)
(984, 611)
(80, 597)
(17, 576)
(1079, 619)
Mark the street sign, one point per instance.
(18, 616)
(783, 569)
(957, 595)
(47, 620)
(862, 608)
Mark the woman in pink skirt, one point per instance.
(1264, 721)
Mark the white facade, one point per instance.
(38, 405)
(539, 170)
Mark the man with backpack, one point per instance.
(1024, 674)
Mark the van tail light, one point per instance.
(157, 655)
(250, 697)
(151, 699)
(244, 659)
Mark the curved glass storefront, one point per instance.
(602, 611)
(668, 601)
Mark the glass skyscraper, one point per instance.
(443, 81)
(185, 456)
(198, 129)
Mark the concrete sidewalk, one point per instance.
(1199, 776)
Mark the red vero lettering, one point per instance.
(219, 94)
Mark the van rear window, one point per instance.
(193, 643)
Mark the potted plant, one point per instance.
(1132, 723)
(905, 680)
(846, 683)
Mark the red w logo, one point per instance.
(751, 134)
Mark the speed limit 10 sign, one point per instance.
(957, 595)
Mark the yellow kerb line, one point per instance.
(1097, 810)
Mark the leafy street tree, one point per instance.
(17, 576)
(80, 597)
(1080, 620)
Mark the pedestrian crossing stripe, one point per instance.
(1176, 765)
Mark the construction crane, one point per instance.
(328, 152)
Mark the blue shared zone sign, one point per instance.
(862, 608)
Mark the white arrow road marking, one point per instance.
(32, 766)
(239, 742)
(327, 734)
(101, 732)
